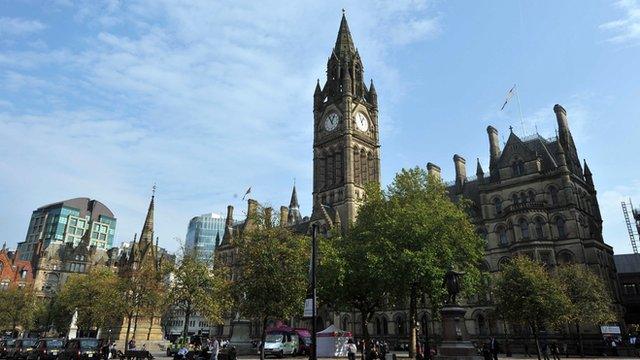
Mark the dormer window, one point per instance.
(497, 203)
(518, 168)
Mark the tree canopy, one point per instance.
(272, 273)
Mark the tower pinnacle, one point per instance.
(344, 42)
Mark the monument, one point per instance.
(455, 339)
(240, 336)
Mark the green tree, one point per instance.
(353, 271)
(419, 234)
(272, 267)
(19, 308)
(589, 299)
(96, 296)
(526, 293)
(196, 287)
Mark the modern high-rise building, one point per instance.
(204, 233)
(66, 222)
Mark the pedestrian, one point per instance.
(565, 349)
(545, 351)
(526, 350)
(554, 351)
(486, 353)
(214, 347)
(352, 350)
(132, 344)
(494, 347)
(614, 347)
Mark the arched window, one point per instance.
(560, 226)
(378, 326)
(385, 326)
(524, 228)
(497, 203)
(400, 325)
(564, 257)
(553, 193)
(539, 228)
(502, 236)
(532, 196)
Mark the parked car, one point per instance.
(80, 349)
(5, 345)
(46, 349)
(20, 349)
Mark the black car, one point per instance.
(81, 349)
(46, 349)
(5, 345)
(20, 349)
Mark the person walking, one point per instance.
(214, 347)
(554, 351)
(494, 347)
(352, 350)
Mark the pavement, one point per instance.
(403, 355)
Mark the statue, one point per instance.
(452, 283)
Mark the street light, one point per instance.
(314, 235)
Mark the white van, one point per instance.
(281, 343)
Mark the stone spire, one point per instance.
(217, 239)
(479, 171)
(294, 216)
(344, 42)
(146, 236)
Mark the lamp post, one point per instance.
(314, 235)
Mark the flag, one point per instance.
(246, 193)
(509, 95)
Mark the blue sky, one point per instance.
(102, 99)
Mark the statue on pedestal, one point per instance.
(452, 284)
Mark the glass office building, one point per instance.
(202, 233)
(66, 222)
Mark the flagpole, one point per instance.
(524, 132)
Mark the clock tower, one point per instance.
(346, 147)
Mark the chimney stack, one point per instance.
(434, 170)
(461, 169)
(494, 144)
(284, 215)
(268, 215)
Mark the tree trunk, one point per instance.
(126, 339)
(413, 310)
(364, 323)
(150, 326)
(263, 337)
(580, 348)
(534, 329)
(185, 328)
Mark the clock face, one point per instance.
(361, 122)
(331, 121)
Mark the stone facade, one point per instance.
(537, 199)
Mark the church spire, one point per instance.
(344, 42)
(294, 215)
(146, 236)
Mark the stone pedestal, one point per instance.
(240, 339)
(455, 339)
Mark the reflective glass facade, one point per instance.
(201, 234)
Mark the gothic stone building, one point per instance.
(536, 200)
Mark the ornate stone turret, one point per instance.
(494, 145)
(588, 176)
(228, 227)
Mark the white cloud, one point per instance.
(625, 30)
(204, 98)
(19, 26)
